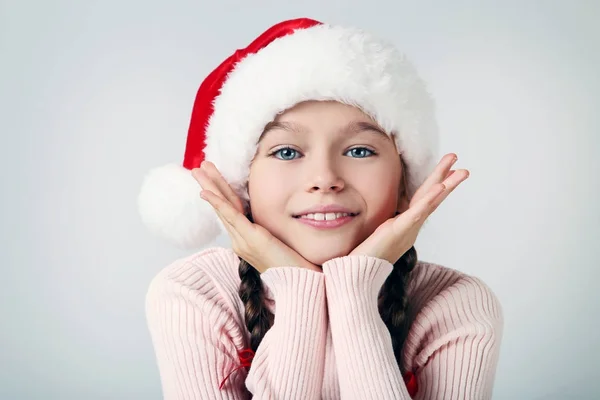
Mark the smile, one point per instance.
(326, 220)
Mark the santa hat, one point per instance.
(293, 61)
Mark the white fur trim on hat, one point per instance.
(322, 63)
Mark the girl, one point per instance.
(314, 148)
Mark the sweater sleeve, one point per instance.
(290, 361)
(457, 360)
(197, 334)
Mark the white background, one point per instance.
(95, 93)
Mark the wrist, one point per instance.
(355, 276)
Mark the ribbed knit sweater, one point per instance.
(328, 340)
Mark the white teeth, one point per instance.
(322, 216)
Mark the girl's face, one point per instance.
(322, 153)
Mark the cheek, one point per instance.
(379, 190)
(268, 190)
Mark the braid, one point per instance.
(258, 318)
(393, 301)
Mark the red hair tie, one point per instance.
(246, 355)
(410, 380)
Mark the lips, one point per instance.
(325, 209)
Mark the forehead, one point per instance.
(323, 117)
(352, 128)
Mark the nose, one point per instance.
(324, 177)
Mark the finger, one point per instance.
(438, 175)
(419, 210)
(455, 178)
(237, 240)
(440, 172)
(220, 206)
(228, 214)
(223, 185)
(451, 183)
(206, 182)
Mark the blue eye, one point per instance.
(287, 153)
(361, 153)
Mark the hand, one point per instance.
(397, 235)
(250, 241)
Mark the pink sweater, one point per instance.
(328, 340)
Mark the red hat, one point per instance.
(291, 62)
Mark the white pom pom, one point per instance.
(170, 206)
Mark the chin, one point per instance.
(319, 257)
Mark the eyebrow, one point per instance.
(354, 127)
